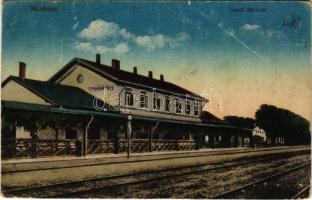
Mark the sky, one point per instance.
(239, 55)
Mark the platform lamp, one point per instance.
(129, 130)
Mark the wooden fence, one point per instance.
(22, 148)
(140, 145)
(19, 148)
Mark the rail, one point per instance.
(77, 188)
(302, 192)
(271, 177)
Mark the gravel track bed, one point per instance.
(203, 185)
(280, 188)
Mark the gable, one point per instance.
(90, 79)
(122, 77)
(92, 83)
(13, 91)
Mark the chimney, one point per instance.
(116, 64)
(150, 74)
(22, 70)
(135, 70)
(161, 77)
(98, 58)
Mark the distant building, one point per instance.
(259, 132)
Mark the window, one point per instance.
(178, 105)
(167, 103)
(156, 102)
(80, 78)
(187, 107)
(143, 100)
(129, 97)
(196, 107)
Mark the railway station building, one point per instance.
(88, 108)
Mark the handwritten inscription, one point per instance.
(43, 8)
(248, 9)
(292, 21)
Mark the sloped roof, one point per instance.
(56, 94)
(208, 117)
(48, 108)
(125, 77)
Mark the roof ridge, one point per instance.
(140, 75)
(125, 77)
(110, 67)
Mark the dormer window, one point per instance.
(129, 97)
(143, 100)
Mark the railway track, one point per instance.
(69, 189)
(231, 193)
(302, 192)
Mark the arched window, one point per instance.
(129, 97)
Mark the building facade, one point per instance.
(91, 102)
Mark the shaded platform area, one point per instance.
(58, 131)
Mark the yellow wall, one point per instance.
(14, 91)
(91, 79)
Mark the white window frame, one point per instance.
(145, 103)
(128, 96)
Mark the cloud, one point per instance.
(99, 29)
(251, 27)
(121, 48)
(273, 34)
(152, 42)
(180, 37)
(85, 46)
(113, 38)
(90, 47)
(160, 41)
(268, 34)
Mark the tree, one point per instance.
(278, 122)
(242, 122)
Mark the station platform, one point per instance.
(27, 164)
(118, 156)
(50, 170)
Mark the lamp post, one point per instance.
(129, 130)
